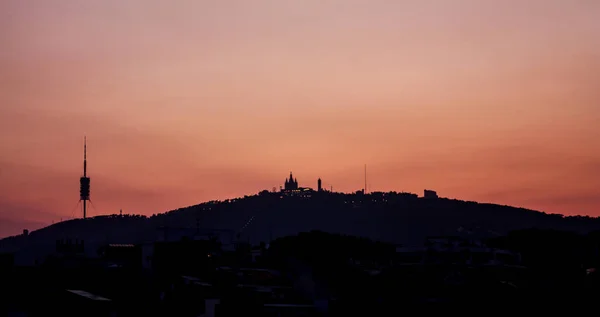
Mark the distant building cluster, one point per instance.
(68, 246)
(291, 187)
(456, 250)
(430, 194)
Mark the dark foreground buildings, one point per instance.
(312, 274)
(197, 272)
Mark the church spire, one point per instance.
(291, 183)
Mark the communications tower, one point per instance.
(84, 181)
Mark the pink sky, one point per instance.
(188, 101)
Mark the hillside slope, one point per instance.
(391, 217)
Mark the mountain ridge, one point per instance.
(401, 218)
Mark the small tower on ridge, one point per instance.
(84, 181)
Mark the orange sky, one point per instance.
(188, 101)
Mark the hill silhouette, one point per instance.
(399, 218)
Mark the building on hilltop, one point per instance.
(291, 183)
(291, 187)
(430, 194)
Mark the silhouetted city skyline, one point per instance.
(183, 108)
(299, 158)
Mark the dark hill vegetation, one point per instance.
(398, 218)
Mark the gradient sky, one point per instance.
(188, 101)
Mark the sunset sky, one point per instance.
(188, 101)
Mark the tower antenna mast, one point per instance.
(365, 191)
(84, 181)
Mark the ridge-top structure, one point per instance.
(84, 181)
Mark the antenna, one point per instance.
(84, 156)
(84, 181)
(365, 191)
